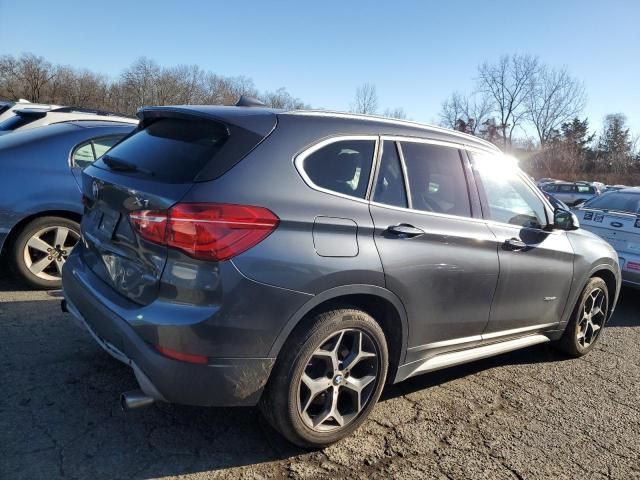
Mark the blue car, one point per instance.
(40, 199)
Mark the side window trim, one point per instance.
(403, 165)
(298, 162)
(472, 185)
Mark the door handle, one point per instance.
(514, 244)
(404, 230)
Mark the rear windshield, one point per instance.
(618, 201)
(172, 150)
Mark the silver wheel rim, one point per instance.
(594, 313)
(46, 251)
(339, 380)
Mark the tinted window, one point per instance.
(390, 183)
(550, 188)
(509, 198)
(170, 149)
(436, 179)
(342, 167)
(618, 201)
(565, 188)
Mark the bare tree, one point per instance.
(555, 98)
(509, 83)
(366, 100)
(283, 99)
(467, 113)
(397, 112)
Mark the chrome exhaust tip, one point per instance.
(135, 399)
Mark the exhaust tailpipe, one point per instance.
(135, 399)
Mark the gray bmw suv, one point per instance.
(301, 260)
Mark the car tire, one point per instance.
(30, 250)
(587, 320)
(295, 406)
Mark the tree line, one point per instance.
(519, 94)
(512, 97)
(144, 82)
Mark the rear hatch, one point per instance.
(621, 230)
(149, 171)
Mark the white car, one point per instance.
(24, 115)
(615, 216)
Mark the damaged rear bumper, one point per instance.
(221, 382)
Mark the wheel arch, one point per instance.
(19, 226)
(383, 305)
(607, 273)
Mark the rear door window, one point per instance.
(342, 167)
(172, 150)
(436, 177)
(390, 188)
(86, 153)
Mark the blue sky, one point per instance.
(416, 53)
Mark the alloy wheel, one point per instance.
(594, 314)
(46, 251)
(339, 380)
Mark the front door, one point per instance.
(536, 263)
(440, 261)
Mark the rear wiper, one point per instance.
(122, 166)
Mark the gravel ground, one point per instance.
(525, 415)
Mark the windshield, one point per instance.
(618, 201)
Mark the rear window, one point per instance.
(618, 201)
(172, 150)
(343, 166)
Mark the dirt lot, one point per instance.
(530, 414)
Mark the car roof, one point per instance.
(260, 117)
(385, 121)
(97, 123)
(45, 132)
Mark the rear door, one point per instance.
(438, 258)
(536, 264)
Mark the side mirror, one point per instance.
(565, 220)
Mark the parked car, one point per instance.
(40, 200)
(571, 193)
(615, 216)
(300, 260)
(31, 116)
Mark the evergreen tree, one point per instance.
(615, 151)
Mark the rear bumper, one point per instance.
(221, 382)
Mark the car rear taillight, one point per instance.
(207, 231)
